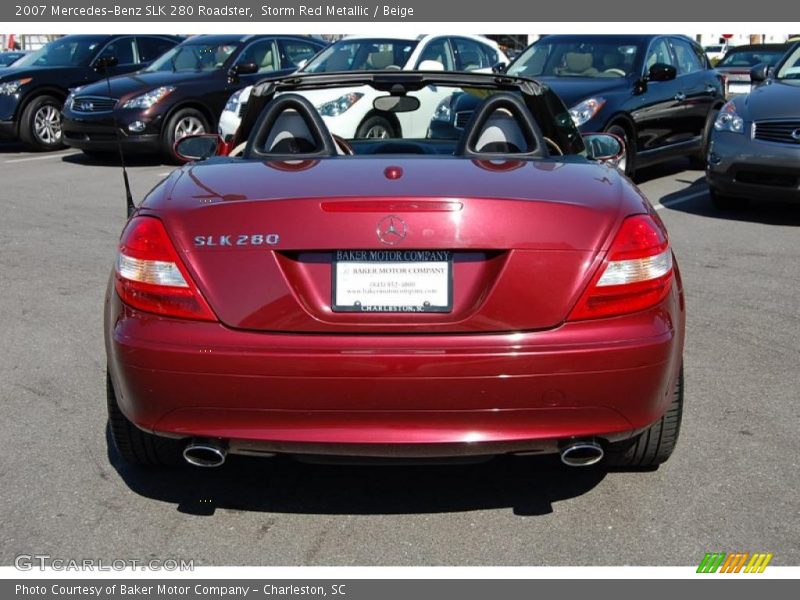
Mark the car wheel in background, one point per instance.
(135, 446)
(698, 161)
(40, 128)
(655, 445)
(376, 127)
(627, 165)
(722, 202)
(186, 121)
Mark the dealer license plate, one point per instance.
(391, 281)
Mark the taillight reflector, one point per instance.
(636, 274)
(151, 277)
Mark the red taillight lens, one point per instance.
(151, 277)
(636, 274)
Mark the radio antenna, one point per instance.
(106, 63)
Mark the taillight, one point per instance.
(151, 277)
(636, 274)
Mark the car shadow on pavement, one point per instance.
(111, 159)
(665, 169)
(528, 485)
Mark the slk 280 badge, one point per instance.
(242, 239)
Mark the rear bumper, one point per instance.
(742, 167)
(375, 395)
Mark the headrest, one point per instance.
(501, 133)
(381, 60)
(578, 62)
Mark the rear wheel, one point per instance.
(655, 445)
(727, 203)
(186, 121)
(40, 127)
(376, 127)
(627, 164)
(135, 446)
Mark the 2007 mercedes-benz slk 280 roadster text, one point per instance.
(507, 292)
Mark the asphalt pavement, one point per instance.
(732, 484)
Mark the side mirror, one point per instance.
(430, 65)
(605, 148)
(759, 73)
(197, 147)
(105, 62)
(244, 68)
(500, 67)
(662, 72)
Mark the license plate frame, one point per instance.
(438, 300)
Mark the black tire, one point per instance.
(371, 126)
(727, 203)
(135, 446)
(655, 445)
(174, 124)
(699, 160)
(630, 148)
(40, 124)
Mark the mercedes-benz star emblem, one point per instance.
(796, 134)
(391, 230)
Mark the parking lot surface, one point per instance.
(730, 486)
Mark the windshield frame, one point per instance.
(29, 60)
(326, 53)
(642, 46)
(167, 57)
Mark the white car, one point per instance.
(351, 114)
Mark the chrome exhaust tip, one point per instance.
(582, 454)
(204, 453)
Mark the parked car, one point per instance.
(715, 52)
(656, 92)
(755, 143)
(9, 58)
(738, 61)
(351, 115)
(508, 292)
(181, 93)
(33, 90)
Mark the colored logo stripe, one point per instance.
(733, 563)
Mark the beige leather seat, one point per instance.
(501, 133)
(290, 135)
(380, 60)
(579, 63)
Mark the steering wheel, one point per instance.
(616, 71)
(343, 145)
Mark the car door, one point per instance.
(125, 51)
(656, 109)
(698, 87)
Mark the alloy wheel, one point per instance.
(47, 124)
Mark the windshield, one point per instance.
(571, 58)
(791, 66)
(72, 51)
(200, 57)
(750, 58)
(8, 58)
(362, 55)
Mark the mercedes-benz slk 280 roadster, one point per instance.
(507, 292)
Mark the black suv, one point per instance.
(658, 93)
(181, 93)
(33, 90)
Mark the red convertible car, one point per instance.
(510, 292)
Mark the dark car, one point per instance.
(181, 93)
(33, 90)
(738, 61)
(754, 152)
(657, 92)
(9, 58)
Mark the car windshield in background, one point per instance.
(194, 57)
(72, 51)
(750, 58)
(362, 55)
(576, 59)
(791, 66)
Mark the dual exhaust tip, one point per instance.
(205, 453)
(211, 453)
